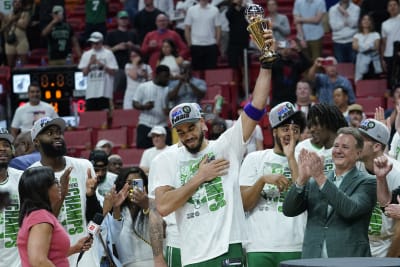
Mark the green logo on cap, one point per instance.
(186, 109)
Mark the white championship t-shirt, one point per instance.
(213, 217)
(171, 232)
(9, 221)
(269, 229)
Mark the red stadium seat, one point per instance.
(369, 104)
(228, 79)
(212, 91)
(130, 156)
(346, 70)
(218, 76)
(132, 137)
(118, 136)
(93, 120)
(371, 88)
(127, 118)
(77, 141)
(124, 117)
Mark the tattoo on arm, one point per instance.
(156, 230)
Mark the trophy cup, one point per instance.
(257, 24)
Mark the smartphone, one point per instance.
(138, 183)
(327, 62)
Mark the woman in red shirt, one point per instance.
(42, 241)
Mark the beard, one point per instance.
(277, 141)
(50, 151)
(196, 149)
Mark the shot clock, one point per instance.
(61, 86)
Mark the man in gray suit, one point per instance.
(339, 205)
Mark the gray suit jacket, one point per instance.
(345, 229)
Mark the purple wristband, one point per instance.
(254, 113)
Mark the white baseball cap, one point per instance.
(95, 37)
(157, 130)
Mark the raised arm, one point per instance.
(64, 184)
(253, 112)
(313, 70)
(46, 31)
(382, 167)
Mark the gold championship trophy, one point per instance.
(257, 24)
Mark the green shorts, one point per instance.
(235, 251)
(270, 259)
(173, 257)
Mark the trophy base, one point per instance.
(268, 57)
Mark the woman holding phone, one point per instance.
(134, 249)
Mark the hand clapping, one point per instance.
(310, 165)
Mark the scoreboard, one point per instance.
(63, 87)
